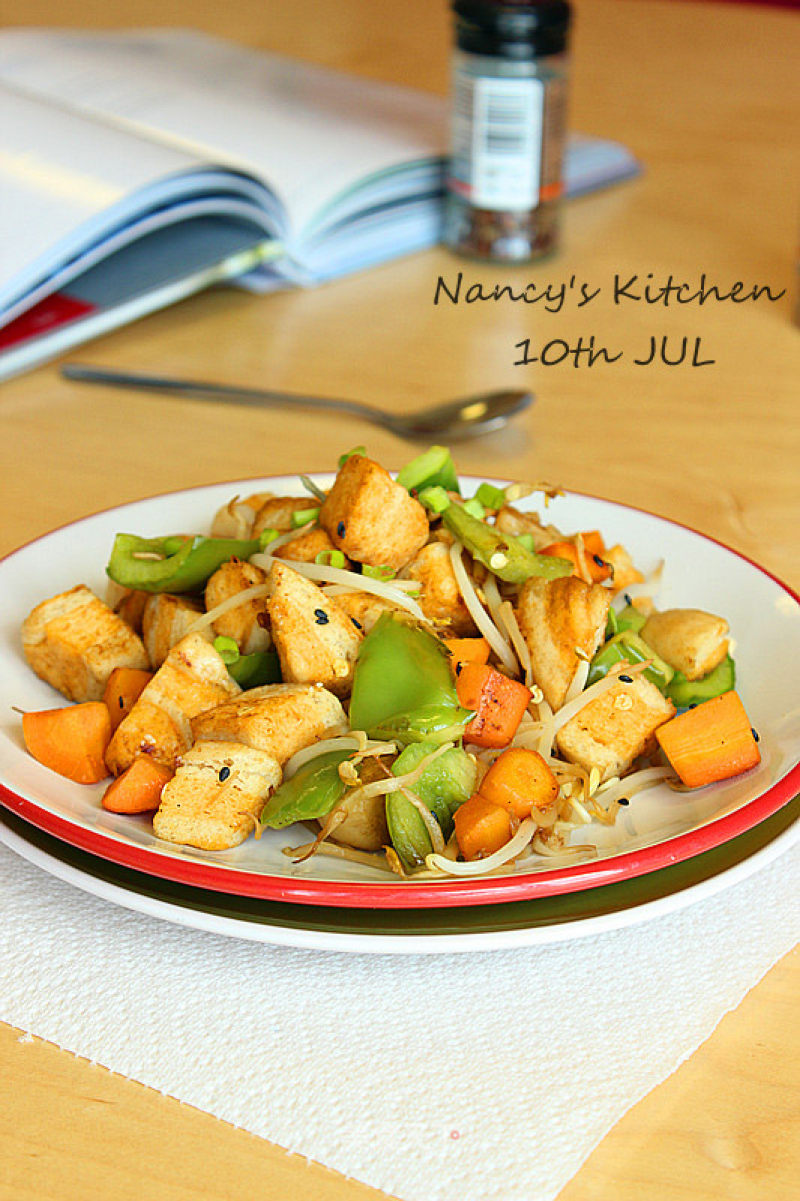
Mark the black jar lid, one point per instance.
(518, 29)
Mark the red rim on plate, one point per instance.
(366, 895)
(221, 877)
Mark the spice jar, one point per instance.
(508, 128)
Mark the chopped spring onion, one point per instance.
(330, 558)
(302, 517)
(475, 508)
(435, 499)
(227, 649)
(276, 540)
(433, 467)
(382, 572)
(490, 496)
(357, 450)
(267, 537)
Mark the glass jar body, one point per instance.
(508, 134)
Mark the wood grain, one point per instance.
(707, 96)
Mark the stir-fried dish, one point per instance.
(432, 684)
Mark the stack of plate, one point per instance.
(666, 850)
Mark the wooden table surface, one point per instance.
(706, 95)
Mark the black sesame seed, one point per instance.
(623, 800)
(693, 705)
(458, 668)
(121, 703)
(600, 562)
(627, 598)
(755, 734)
(357, 624)
(224, 772)
(626, 679)
(321, 617)
(340, 529)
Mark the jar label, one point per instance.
(497, 140)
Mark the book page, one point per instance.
(309, 132)
(62, 176)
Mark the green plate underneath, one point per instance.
(483, 919)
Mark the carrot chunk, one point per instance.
(520, 780)
(71, 741)
(499, 704)
(481, 827)
(593, 551)
(467, 650)
(712, 742)
(139, 788)
(124, 687)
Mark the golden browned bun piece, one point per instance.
(558, 619)
(280, 719)
(371, 518)
(74, 641)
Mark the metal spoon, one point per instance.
(456, 418)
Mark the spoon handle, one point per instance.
(198, 390)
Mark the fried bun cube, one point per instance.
(371, 518)
(615, 728)
(216, 795)
(280, 719)
(74, 641)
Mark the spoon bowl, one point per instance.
(455, 419)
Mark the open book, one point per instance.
(139, 167)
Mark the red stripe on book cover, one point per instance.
(43, 318)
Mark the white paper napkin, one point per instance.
(486, 1077)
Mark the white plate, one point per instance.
(659, 828)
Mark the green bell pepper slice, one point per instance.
(503, 554)
(447, 783)
(403, 686)
(683, 692)
(311, 793)
(178, 563)
(629, 647)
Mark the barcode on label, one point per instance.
(500, 127)
(507, 121)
